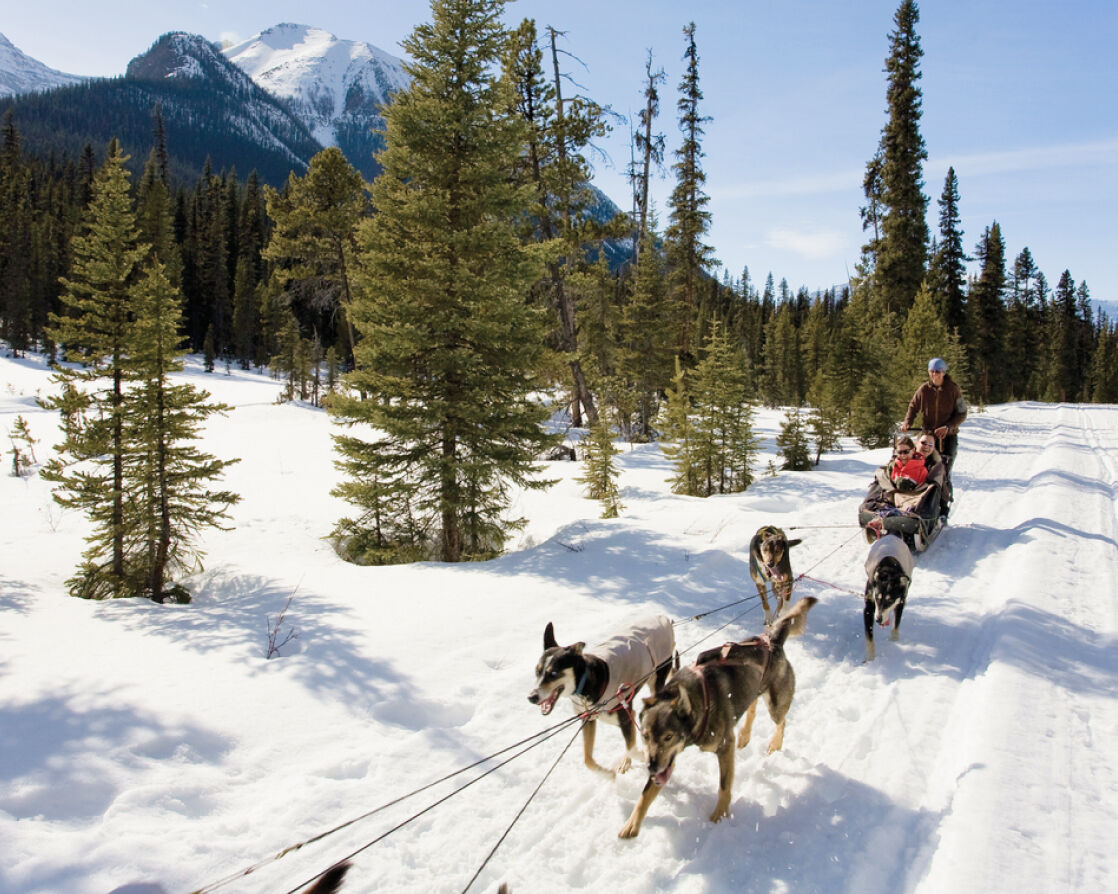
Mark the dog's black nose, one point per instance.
(534, 698)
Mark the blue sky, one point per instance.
(1019, 96)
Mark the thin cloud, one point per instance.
(978, 164)
(812, 244)
(1034, 158)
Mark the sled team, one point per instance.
(906, 507)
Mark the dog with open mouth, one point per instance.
(769, 564)
(701, 704)
(602, 680)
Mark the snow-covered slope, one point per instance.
(156, 747)
(335, 86)
(19, 73)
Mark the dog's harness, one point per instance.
(725, 656)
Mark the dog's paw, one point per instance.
(720, 813)
(895, 635)
(623, 765)
(631, 829)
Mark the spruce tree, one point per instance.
(449, 348)
(600, 473)
(948, 267)
(904, 230)
(792, 443)
(678, 441)
(94, 332)
(644, 338)
(649, 146)
(1062, 339)
(167, 477)
(558, 129)
(715, 445)
(688, 257)
(986, 318)
(314, 243)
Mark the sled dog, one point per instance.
(888, 574)
(701, 704)
(769, 564)
(592, 679)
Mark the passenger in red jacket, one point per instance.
(907, 470)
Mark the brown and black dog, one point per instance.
(700, 705)
(769, 564)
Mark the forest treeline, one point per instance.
(473, 263)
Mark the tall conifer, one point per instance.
(449, 347)
(904, 230)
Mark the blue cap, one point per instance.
(937, 364)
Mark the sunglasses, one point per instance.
(905, 452)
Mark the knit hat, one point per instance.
(937, 364)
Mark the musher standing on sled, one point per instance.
(942, 408)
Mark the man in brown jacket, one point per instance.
(940, 403)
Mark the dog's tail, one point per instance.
(330, 881)
(792, 622)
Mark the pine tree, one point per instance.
(559, 128)
(948, 267)
(688, 257)
(716, 450)
(600, 473)
(986, 312)
(904, 230)
(645, 343)
(449, 347)
(678, 442)
(792, 443)
(649, 148)
(1062, 331)
(94, 331)
(1024, 329)
(314, 243)
(167, 478)
(924, 336)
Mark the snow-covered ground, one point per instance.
(151, 748)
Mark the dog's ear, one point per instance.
(682, 701)
(675, 664)
(795, 542)
(649, 701)
(578, 647)
(904, 580)
(549, 637)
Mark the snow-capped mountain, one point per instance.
(19, 73)
(336, 87)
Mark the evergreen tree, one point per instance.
(167, 477)
(314, 243)
(449, 346)
(600, 475)
(649, 153)
(16, 240)
(924, 336)
(94, 333)
(792, 443)
(1024, 330)
(986, 311)
(645, 343)
(783, 371)
(688, 257)
(1062, 339)
(725, 442)
(679, 442)
(948, 268)
(1104, 365)
(558, 128)
(904, 230)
